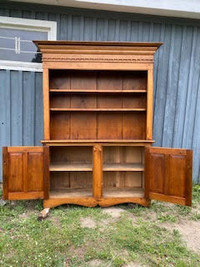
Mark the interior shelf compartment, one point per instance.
(70, 193)
(71, 171)
(123, 180)
(70, 157)
(123, 171)
(71, 183)
(62, 166)
(123, 192)
(138, 167)
(123, 157)
(97, 79)
(97, 125)
(97, 102)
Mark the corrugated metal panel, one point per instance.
(177, 73)
(21, 108)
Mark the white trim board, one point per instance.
(170, 8)
(19, 65)
(27, 24)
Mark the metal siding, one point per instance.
(176, 75)
(28, 107)
(16, 107)
(38, 119)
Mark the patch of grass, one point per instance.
(167, 218)
(173, 213)
(137, 210)
(196, 194)
(28, 242)
(195, 216)
(137, 235)
(154, 245)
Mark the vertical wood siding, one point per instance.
(176, 76)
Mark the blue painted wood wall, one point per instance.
(176, 77)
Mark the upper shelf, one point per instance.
(95, 91)
(98, 109)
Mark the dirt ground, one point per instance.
(189, 229)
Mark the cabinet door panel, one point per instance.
(169, 175)
(35, 171)
(16, 172)
(25, 172)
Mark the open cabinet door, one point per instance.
(25, 173)
(169, 175)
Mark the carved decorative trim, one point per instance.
(93, 59)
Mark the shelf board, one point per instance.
(98, 109)
(69, 192)
(95, 91)
(90, 142)
(123, 167)
(88, 167)
(107, 193)
(122, 192)
(62, 167)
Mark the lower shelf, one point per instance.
(68, 193)
(122, 192)
(107, 193)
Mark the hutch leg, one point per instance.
(44, 214)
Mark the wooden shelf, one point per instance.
(70, 167)
(122, 192)
(107, 193)
(138, 167)
(98, 109)
(95, 91)
(68, 193)
(88, 167)
(108, 142)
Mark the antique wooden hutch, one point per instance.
(97, 147)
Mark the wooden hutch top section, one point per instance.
(97, 55)
(97, 91)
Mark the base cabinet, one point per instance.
(97, 174)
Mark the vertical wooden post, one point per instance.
(149, 119)
(46, 104)
(146, 173)
(188, 182)
(25, 171)
(46, 174)
(5, 172)
(97, 171)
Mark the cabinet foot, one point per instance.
(43, 214)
